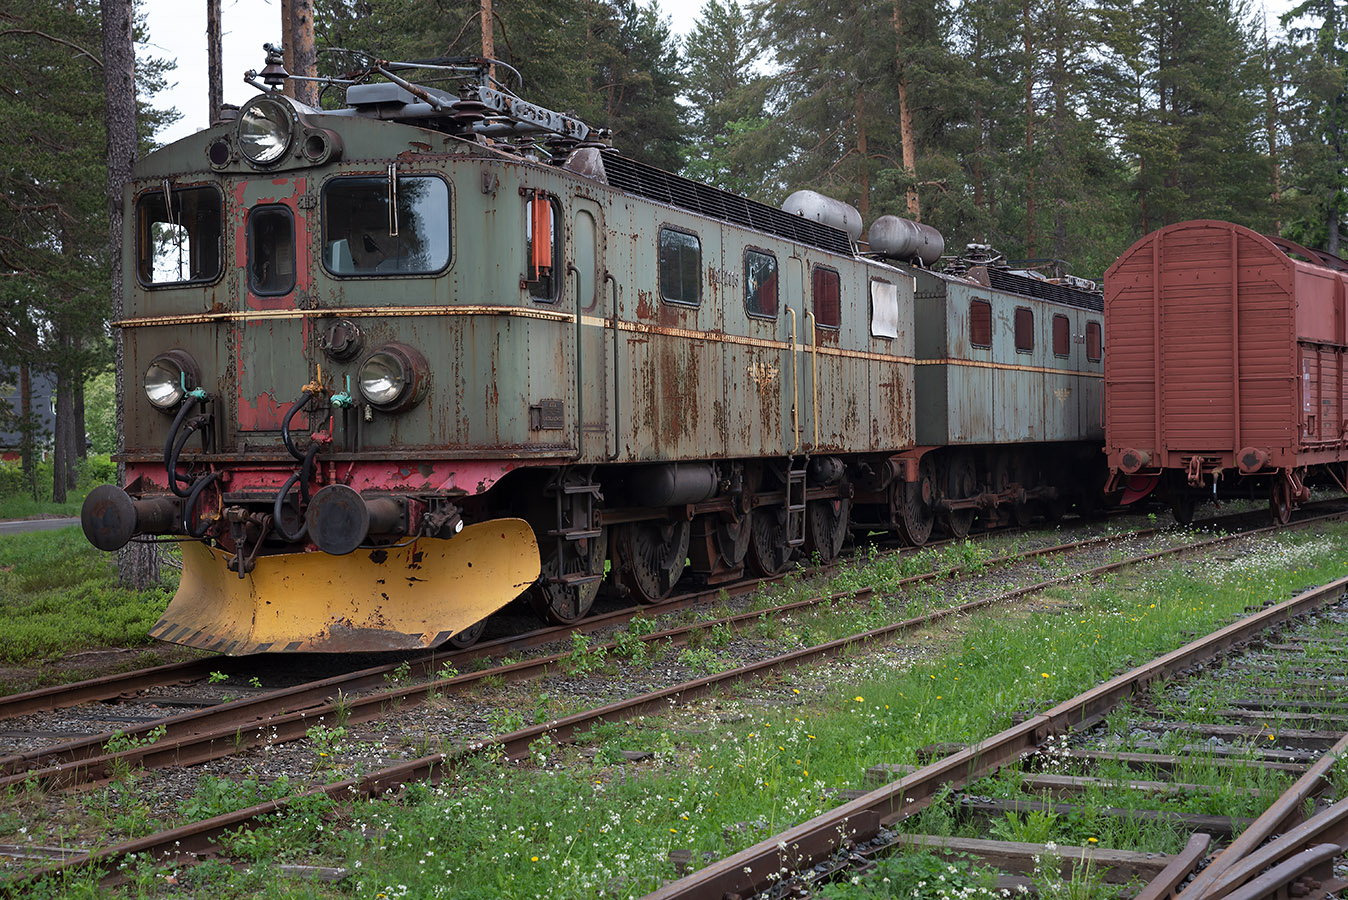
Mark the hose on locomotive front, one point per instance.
(181, 431)
(303, 475)
(308, 392)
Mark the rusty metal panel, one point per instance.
(667, 358)
(891, 382)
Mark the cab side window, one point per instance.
(680, 267)
(980, 323)
(825, 287)
(542, 247)
(760, 284)
(1062, 336)
(1024, 329)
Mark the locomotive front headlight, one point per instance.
(169, 377)
(394, 378)
(264, 131)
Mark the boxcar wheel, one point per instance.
(768, 552)
(561, 602)
(912, 503)
(649, 557)
(1182, 507)
(826, 527)
(1280, 502)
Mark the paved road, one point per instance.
(14, 526)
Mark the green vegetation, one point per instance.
(728, 772)
(60, 594)
(20, 499)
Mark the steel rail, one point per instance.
(863, 816)
(107, 687)
(252, 712)
(286, 715)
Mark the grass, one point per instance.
(59, 594)
(730, 771)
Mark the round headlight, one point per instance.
(382, 379)
(169, 376)
(394, 378)
(264, 131)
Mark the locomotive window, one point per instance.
(271, 250)
(884, 309)
(178, 242)
(1062, 336)
(825, 286)
(364, 235)
(680, 267)
(542, 257)
(1094, 350)
(980, 323)
(1024, 329)
(760, 284)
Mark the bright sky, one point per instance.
(178, 31)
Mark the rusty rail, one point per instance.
(809, 842)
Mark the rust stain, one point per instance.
(645, 305)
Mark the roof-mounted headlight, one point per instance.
(169, 377)
(265, 131)
(394, 378)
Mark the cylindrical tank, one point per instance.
(894, 237)
(673, 484)
(826, 211)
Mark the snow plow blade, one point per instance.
(399, 598)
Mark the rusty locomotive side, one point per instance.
(1226, 376)
(392, 365)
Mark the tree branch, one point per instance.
(55, 40)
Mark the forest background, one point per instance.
(1046, 128)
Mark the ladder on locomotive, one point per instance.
(795, 501)
(575, 522)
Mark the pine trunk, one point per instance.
(863, 176)
(28, 440)
(906, 139)
(1031, 228)
(137, 564)
(301, 57)
(61, 463)
(215, 89)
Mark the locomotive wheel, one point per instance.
(555, 601)
(826, 527)
(1280, 502)
(961, 482)
(912, 502)
(649, 557)
(768, 552)
(732, 540)
(1007, 473)
(469, 636)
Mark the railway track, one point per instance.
(1289, 850)
(92, 766)
(271, 717)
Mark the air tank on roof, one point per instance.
(826, 211)
(897, 238)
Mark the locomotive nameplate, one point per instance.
(546, 415)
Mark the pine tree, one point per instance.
(1317, 180)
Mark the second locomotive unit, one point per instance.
(391, 365)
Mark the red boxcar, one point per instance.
(1224, 374)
